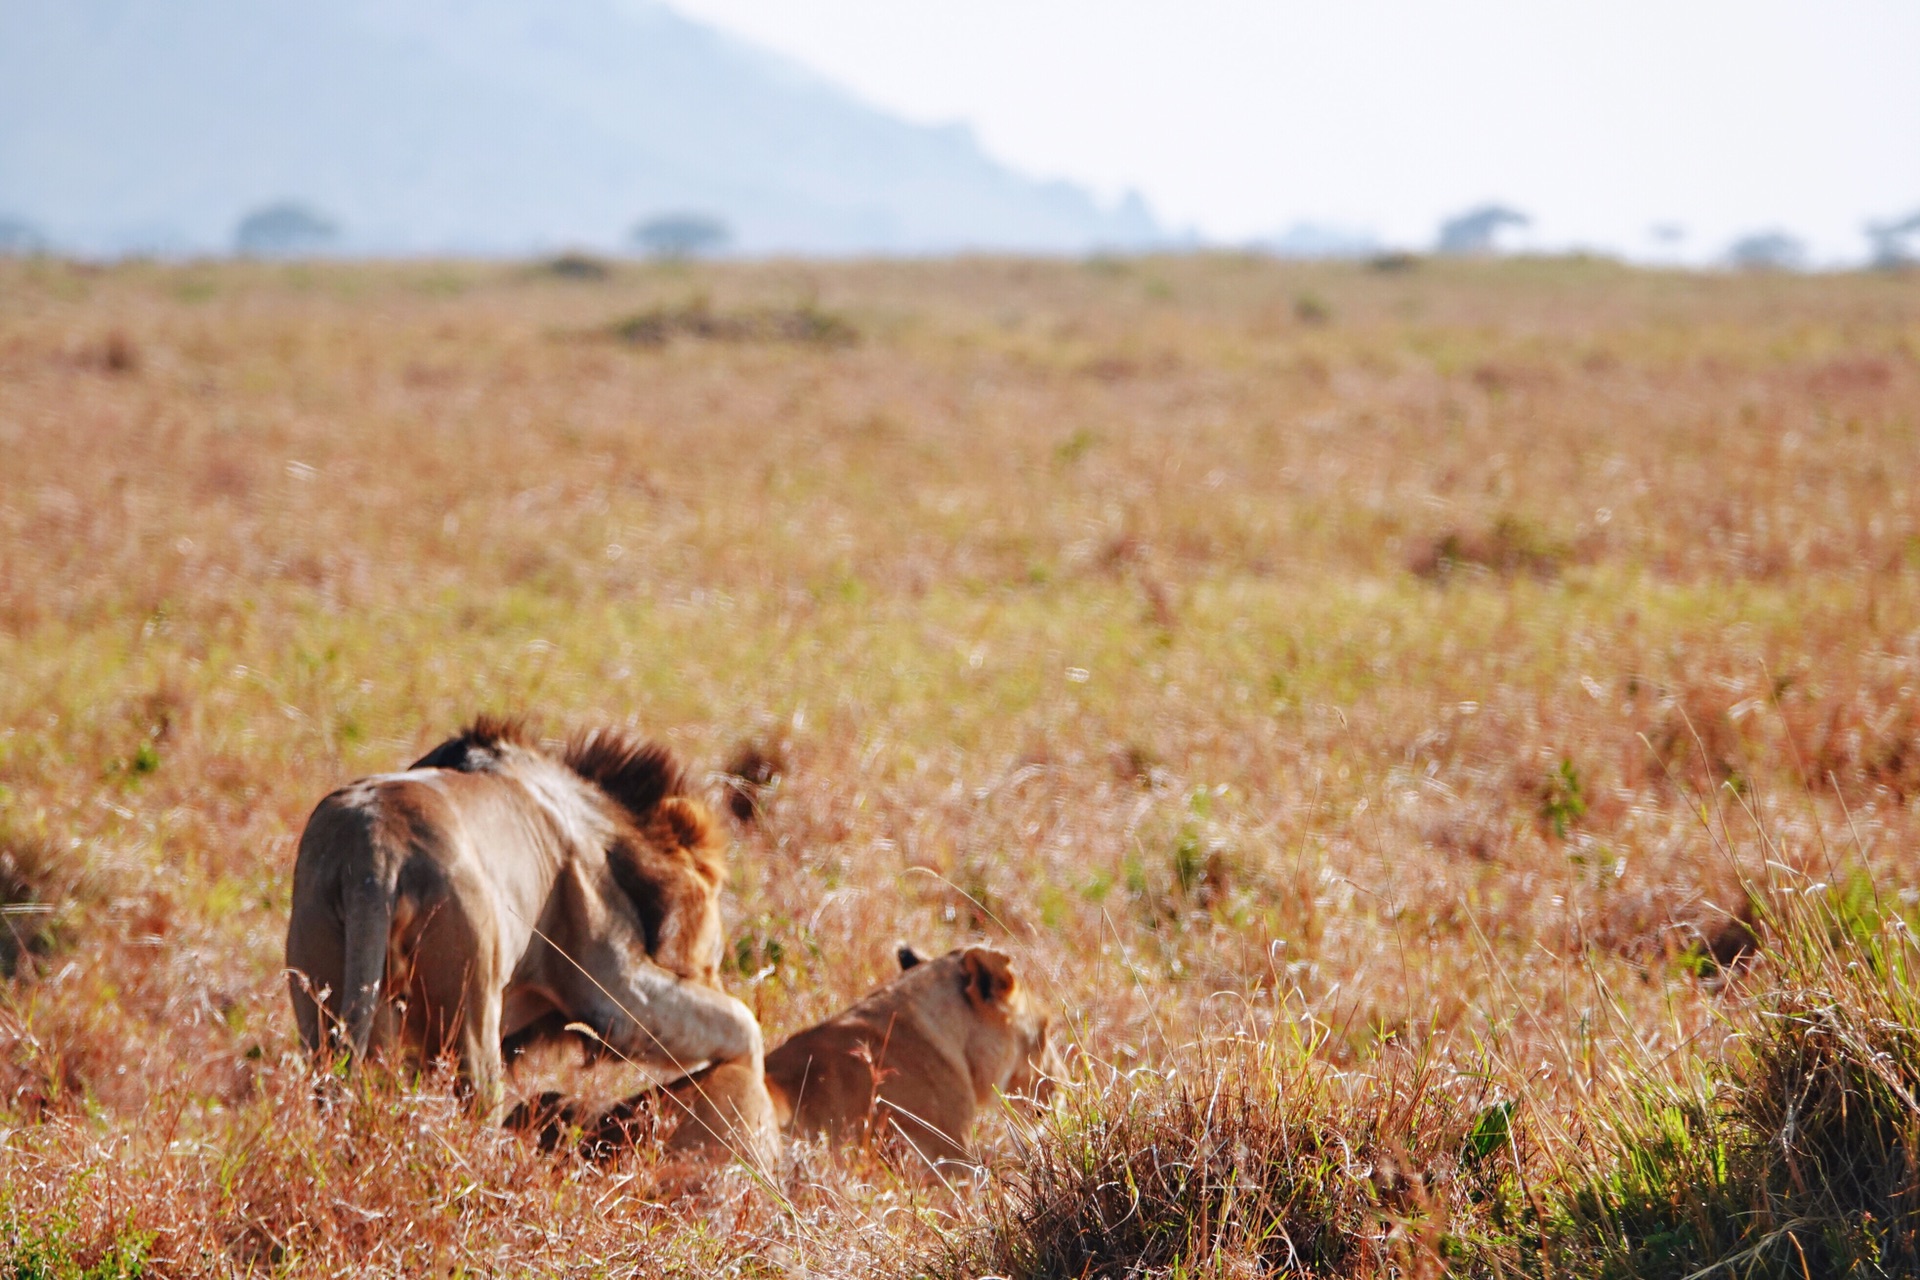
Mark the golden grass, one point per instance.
(1378, 671)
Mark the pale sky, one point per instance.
(1241, 117)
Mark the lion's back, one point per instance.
(369, 822)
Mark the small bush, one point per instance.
(1511, 546)
(575, 266)
(1563, 798)
(1393, 263)
(37, 883)
(752, 776)
(805, 325)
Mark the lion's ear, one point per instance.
(689, 821)
(989, 975)
(691, 826)
(907, 956)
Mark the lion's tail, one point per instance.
(369, 923)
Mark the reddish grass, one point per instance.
(1223, 663)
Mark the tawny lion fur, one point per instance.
(497, 892)
(918, 1058)
(921, 1056)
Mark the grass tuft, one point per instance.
(43, 1247)
(1799, 1155)
(39, 882)
(1261, 1162)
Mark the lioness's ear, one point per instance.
(989, 975)
(907, 956)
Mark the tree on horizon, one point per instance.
(285, 228)
(682, 235)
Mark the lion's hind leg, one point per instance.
(452, 998)
(315, 964)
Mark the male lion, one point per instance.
(919, 1056)
(496, 891)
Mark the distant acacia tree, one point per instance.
(1896, 243)
(1768, 251)
(20, 238)
(682, 235)
(1473, 232)
(284, 229)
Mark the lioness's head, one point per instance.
(1009, 1042)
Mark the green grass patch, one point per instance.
(48, 1247)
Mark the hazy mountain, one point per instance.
(477, 126)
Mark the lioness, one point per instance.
(924, 1054)
(496, 889)
(921, 1056)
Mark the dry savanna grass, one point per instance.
(1446, 740)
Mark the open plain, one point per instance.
(1419, 720)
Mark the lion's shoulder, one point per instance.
(643, 783)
